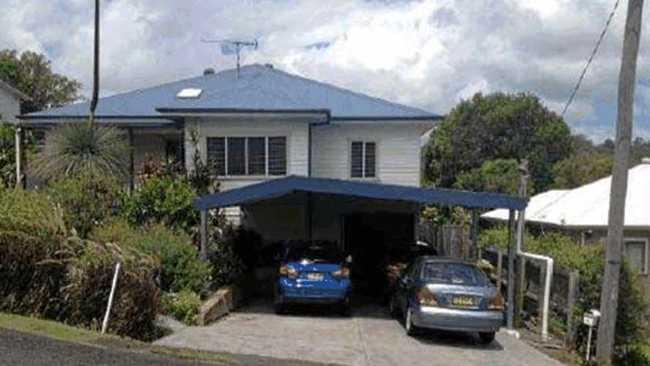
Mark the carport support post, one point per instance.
(511, 271)
(204, 234)
(476, 251)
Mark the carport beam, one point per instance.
(204, 234)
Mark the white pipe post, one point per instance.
(549, 272)
(19, 156)
(110, 298)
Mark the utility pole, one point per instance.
(520, 283)
(624, 121)
(93, 101)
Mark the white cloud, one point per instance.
(424, 53)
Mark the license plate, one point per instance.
(462, 301)
(315, 276)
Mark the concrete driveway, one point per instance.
(369, 337)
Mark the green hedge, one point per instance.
(589, 261)
(183, 306)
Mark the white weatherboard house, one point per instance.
(10, 99)
(583, 212)
(296, 158)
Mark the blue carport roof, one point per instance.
(282, 186)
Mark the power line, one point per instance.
(591, 58)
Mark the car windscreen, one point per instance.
(453, 274)
(316, 254)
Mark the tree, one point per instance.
(497, 126)
(7, 155)
(499, 176)
(77, 148)
(580, 169)
(31, 73)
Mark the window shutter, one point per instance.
(256, 156)
(216, 155)
(356, 159)
(277, 155)
(370, 156)
(236, 156)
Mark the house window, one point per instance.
(277, 155)
(363, 159)
(254, 156)
(636, 254)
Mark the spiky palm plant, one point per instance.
(80, 148)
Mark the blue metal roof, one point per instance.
(258, 88)
(279, 187)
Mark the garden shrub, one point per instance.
(87, 200)
(137, 297)
(33, 254)
(589, 262)
(181, 267)
(163, 198)
(245, 244)
(227, 267)
(47, 274)
(183, 306)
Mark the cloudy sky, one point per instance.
(429, 54)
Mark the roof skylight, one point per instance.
(189, 93)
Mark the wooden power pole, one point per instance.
(624, 121)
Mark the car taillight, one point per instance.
(496, 303)
(426, 298)
(286, 271)
(344, 272)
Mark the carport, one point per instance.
(309, 208)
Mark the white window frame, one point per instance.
(266, 160)
(644, 271)
(363, 159)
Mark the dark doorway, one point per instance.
(370, 238)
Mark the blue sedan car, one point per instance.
(448, 294)
(313, 274)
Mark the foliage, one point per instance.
(183, 306)
(200, 176)
(31, 231)
(245, 244)
(47, 274)
(163, 198)
(580, 169)
(31, 73)
(497, 126)
(86, 200)
(137, 298)
(227, 266)
(181, 267)
(498, 176)
(589, 261)
(7, 155)
(76, 148)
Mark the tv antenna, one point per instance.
(232, 47)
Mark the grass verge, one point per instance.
(66, 333)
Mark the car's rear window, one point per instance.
(453, 274)
(317, 254)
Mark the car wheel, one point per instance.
(486, 337)
(411, 329)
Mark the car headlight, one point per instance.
(497, 303)
(344, 272)
(286, 271)
(425, 297)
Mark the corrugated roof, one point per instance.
(279, 187)
(258, 87)
(588, 206)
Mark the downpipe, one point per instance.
(549, 271)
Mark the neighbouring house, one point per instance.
(10, 99)
(583, 213)
(295, 158)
